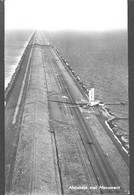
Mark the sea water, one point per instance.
(15, 43)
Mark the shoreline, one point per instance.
(119, 135)
(51, 146)
(16, 71)
(106, 112)
(115, 129)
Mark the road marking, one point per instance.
(21, 92)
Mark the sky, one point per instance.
(87, 15)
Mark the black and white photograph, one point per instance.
(66, 97)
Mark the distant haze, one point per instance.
(87, 15)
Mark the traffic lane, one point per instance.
(104, 174)
(122, 175)
(65, 84)
(34, 170)
(74, 165)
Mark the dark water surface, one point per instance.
(15, 43)
(100, 59)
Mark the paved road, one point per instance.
(54, 148)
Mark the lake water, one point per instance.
(100, 59)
